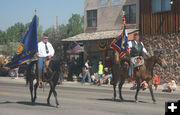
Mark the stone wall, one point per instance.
(170, 42)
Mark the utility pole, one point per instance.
(57, 24)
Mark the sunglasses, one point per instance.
(45, 38)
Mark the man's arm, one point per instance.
(144, 50)
(51, 51)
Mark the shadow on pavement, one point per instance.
(118, 100)
(28, 103)
(34, 104)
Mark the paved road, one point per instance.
(76, 99)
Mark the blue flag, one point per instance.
(27, 47)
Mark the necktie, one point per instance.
(47, 51)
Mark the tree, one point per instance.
(75, 25)
(15, 32)
(3, 39)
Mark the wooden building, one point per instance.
(159, 16)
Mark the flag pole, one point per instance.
(124, 23)
(39, 76)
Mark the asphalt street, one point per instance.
(76, 99)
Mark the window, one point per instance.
(92, 18)
(115, 2)
(103, 3)
(161, 5)
(130, 13)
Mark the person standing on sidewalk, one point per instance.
(87, 67)
(100, 72)
(156, 82)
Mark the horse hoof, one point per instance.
(114, 99)
(154, 102)
(121, 99)
(57, 106)
(136, 101)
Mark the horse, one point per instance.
(144, 73)
(50, 75)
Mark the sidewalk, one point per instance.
(126, 86)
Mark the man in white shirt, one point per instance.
(87, 67)
(136, 49)
(45, 50)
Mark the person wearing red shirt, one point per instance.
(156, 82)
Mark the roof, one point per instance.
(97, 35)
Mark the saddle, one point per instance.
(48, 73)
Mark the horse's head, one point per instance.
(160, 59)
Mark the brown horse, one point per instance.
(50, 75)
(144, 73)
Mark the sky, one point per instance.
(13, 11)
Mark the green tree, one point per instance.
(3, 39)
(75, 25)
(15, 32)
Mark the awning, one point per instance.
(97, 35)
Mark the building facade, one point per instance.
(104, 15)
(103, 23)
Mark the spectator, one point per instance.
(94, 78)
(100, 72)
(170, 87)
(86, 70)
(107, 75)
(134, 86)
(16, 71)
(156, 82)
(144, 85)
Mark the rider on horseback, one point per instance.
(45, 51)
(137, 50)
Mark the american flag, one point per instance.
(120, 43)
(75, 47)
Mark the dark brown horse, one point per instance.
(144, 73)
(50, 75)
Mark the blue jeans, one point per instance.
(84, 77)
(41, 63)
(61, 77)
(131, 69)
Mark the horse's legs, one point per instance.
(152, 94)
(114, 87)
(35, 91)
(137, 91)
(52, 86)
(31, 90)
(120, 88)
(50, 92)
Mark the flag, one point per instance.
(120, 43)
(75, 47)
(27, 47)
